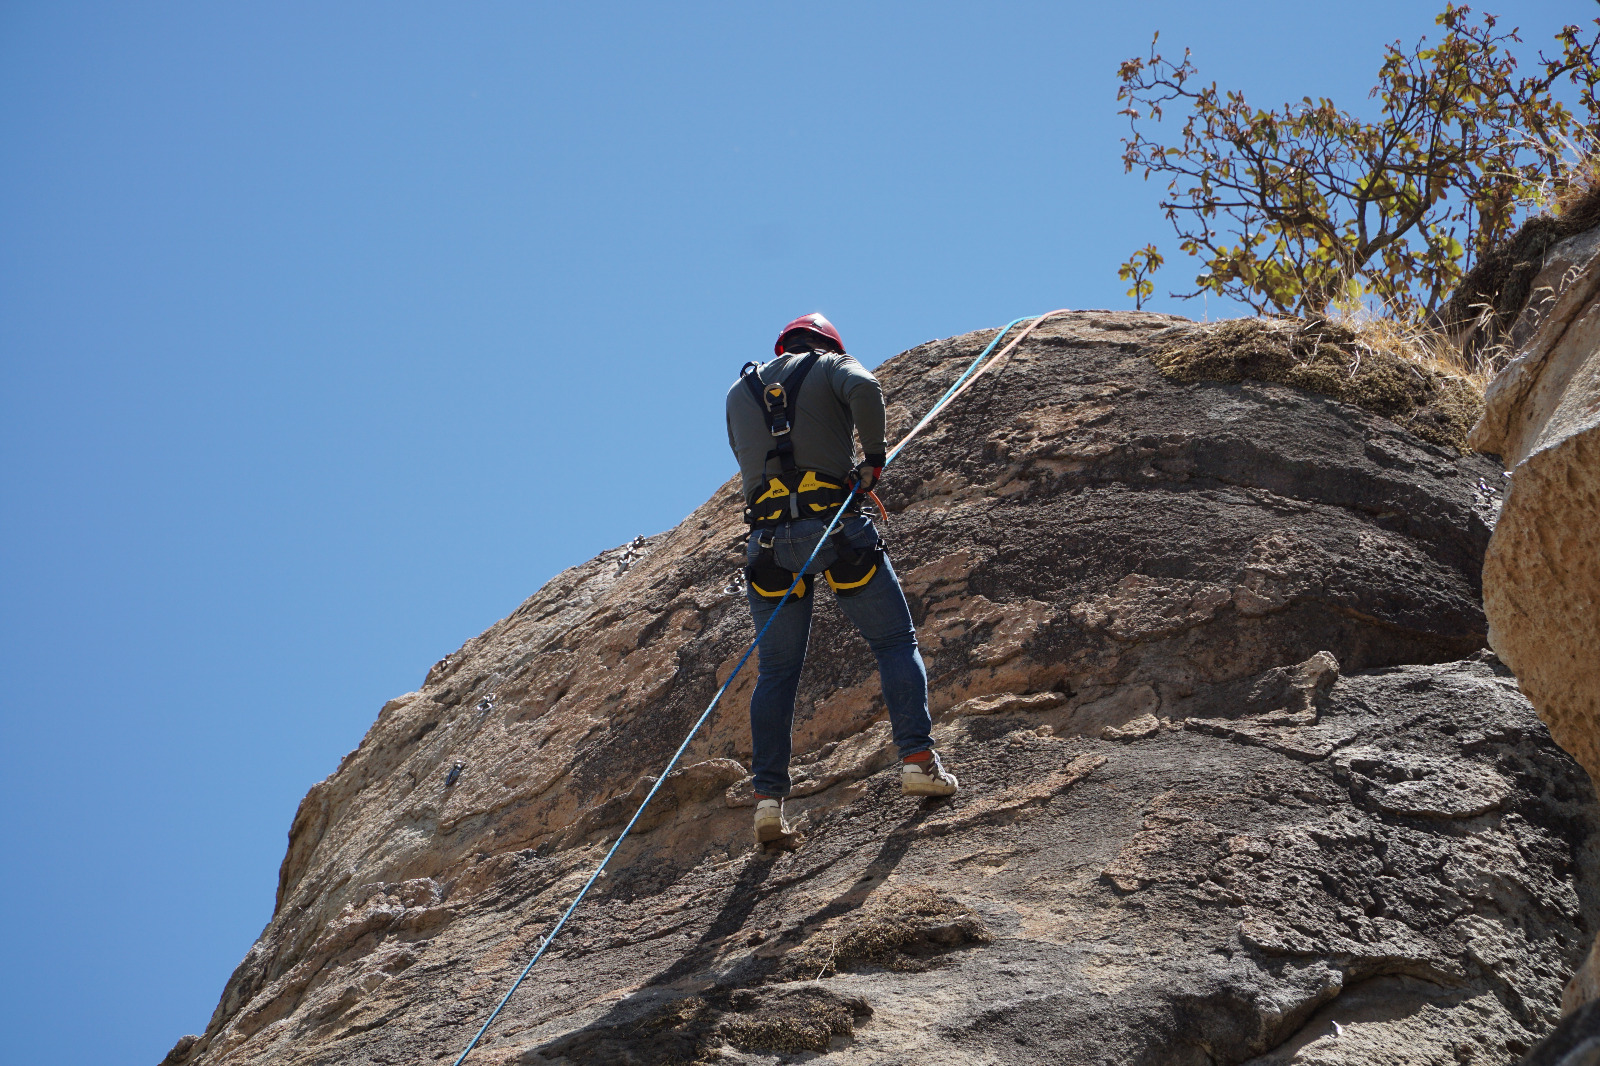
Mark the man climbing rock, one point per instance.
(790, 423)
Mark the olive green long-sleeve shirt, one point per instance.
(839, 395)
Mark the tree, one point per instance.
(1293, 209)
(1137, 269)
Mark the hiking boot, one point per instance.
(928, 778)
(770, 823)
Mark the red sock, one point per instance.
(921, 756)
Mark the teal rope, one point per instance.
(545, 943)
(952, 390)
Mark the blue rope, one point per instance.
(826, 533)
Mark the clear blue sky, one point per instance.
(331, 331)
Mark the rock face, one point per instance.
(1239, 782)
(1542, 572)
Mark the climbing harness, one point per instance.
(975, 370)
(854, 566)
(777, 401)
(766, 578)
(794, 493)
(801, 494)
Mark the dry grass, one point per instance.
(1578, 186)
(1428, 348)
(694, 1030)
(800, 1026)
(1413, 378)
(1480, 315)
(902, 929)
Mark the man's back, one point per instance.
(838, 394)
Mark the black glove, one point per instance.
(868, 473)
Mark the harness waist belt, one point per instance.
(802, 494)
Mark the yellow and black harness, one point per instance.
(795, 494)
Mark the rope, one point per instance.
(967, 380)
(962, 383)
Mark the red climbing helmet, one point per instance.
(816, 324)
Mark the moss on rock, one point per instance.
(1332, 359)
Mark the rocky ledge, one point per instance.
(1240, 782)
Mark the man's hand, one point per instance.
(868, 473)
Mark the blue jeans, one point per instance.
(878, 611)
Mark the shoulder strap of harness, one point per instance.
(779, 401)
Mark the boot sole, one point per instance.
(927, 790)
(787, 842)
(766, 834)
